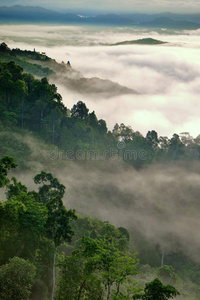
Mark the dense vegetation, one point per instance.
(35, 226)
(101, 261)
(34, 104)
(25, 59)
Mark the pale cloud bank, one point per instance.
(167, 77)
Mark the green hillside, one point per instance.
(145, 41)
(108, 214)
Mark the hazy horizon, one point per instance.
(109, 6)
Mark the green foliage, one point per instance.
(86, 226)
(155, 290)
(129, 289)
(30, 227)
(176, 148)
(167, 274)
(124, 232)
(50, 188)
(14, 146)
(98, 260)
(16, 279)
(80, 111)
(20, 58)
(22, 225)
(39, 290)
(77, 281)
(58, 221)
(6, 163)
(33, 223)
(35, 105)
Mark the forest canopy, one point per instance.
(49, 251)
(35, 105)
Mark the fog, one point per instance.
(160, 201)
(165, 76)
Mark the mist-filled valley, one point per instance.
(159, 202)
(103, 121)
(166, 77)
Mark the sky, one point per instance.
(166, 77)
(180, 6)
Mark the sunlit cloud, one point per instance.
(167, 77)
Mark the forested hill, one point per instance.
(112, 175)
(35, 105)
(40, 65)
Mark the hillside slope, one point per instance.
(39, 64)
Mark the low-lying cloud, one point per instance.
(161, 202)
(166, 76)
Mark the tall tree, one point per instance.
(79, 110)
(58, 220)
(50, 186)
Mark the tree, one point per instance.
(51, 186)
(96, 260)
(58, 227)
(155, 290)
(15, 189)
(58, 218)
(22, 226)
(152, 138)
(13, 88)
(163, 144)
(6, 164)
(58, 221)
(92, 120)
(4, 47)
(16, 279)
(78, 279)
(102, 127)
(79, 110)
(122, 132)
(114, 265)
(31, 222)
(176, 148)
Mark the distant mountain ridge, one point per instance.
(170, 23)
(36, 14)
